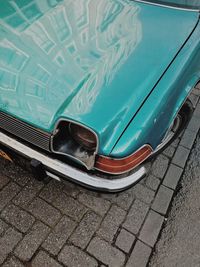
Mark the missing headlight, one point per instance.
(83, 136)
(75, 141)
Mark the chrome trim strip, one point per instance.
(55, 166)
(167, 6)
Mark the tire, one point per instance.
(179, 124)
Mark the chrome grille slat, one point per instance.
(25, 131)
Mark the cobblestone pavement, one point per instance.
(179, 242)
(56, 224)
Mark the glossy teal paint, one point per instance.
(90, 61)
(160, 109)
(189, 4)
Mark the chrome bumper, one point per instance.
(56, 169)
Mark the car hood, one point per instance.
(90, 61)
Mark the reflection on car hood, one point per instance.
(88, 60)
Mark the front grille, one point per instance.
(25, 131)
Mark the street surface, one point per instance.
(180, 241)
(57, 224)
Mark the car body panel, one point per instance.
(183, 4)
(97, 66)
(167, 97)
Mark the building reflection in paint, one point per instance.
(62, 50)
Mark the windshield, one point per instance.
(189, 4)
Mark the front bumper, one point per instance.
(55, 168)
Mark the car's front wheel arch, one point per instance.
(179, 123)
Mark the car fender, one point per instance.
(155, 116)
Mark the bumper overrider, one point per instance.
(56, 168)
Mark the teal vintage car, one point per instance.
(91, 91)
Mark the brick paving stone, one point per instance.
(125, 240)
(28, 193)
(160, 166)
(3, 227)
(169, 151)
(3, 163)
(175, 143)
(42, 259)
(152, 182)
(196, 113)
(108, 232)
(3, 181)
(162, 199)
(18, 217)
(194, 124)
(22, 178)
(181, 156)
(70, 206)
(99, 205)
(111, 223)
(136, 216)
(106, 253)
(51, 191)
(173, 176)
(122, 199)
(74, 257)
(71, 189)
(44, 212)
(151, 228)
(59, 235)
(11, 170)
(7, 243)
(31, 241)
(8, 193)
(142, 193)
(85, 229)
(188, 139)
(139, 256)
(13, 262)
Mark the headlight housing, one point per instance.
(83, 136)
(75, 141)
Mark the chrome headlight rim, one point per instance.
(87, 157)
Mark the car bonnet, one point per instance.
(90, 61)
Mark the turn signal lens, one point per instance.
(83, 136)
(119, 166)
